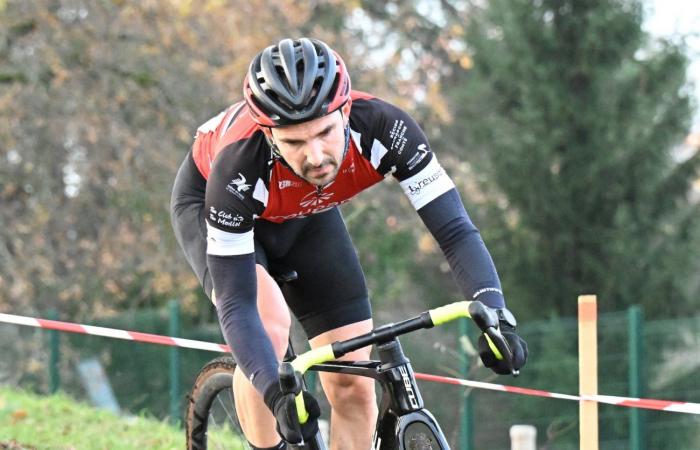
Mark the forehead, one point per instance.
(307, 129)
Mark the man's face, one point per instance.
(314, 149)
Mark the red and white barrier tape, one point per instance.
(662, 405)
(645, 403)
(113, 333)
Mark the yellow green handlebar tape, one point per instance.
(316, 356)
(493, 347)
(301, 364)
(301, 409)
(444, 314)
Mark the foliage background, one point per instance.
(561, 122)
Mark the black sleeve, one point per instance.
(235, 187)
(392, 140)
(460, 241)
(395, 144)
(235, 286)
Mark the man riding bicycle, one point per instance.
(260, 188)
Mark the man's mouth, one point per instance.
(317, 172)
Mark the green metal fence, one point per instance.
(638, 358)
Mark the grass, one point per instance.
(29, 421)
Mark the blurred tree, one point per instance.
(576, 115)
(562, 130)
(99, 102)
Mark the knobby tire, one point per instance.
(211, 408)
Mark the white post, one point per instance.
(523, 437)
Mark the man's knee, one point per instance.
(343, 390)
(279, 336)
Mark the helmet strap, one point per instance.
(271, 142)
(347, 139)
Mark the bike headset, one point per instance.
(296, 81)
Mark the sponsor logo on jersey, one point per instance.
(350, 169)
(398, 136)
(313, 203)
(237, 186)
(308, 211)
(284, 184)
(225, 219)
(415, 188)
(421, 153)
(315, 198)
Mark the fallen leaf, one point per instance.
(18, 415)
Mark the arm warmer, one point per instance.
(460, 241)
(235, 284)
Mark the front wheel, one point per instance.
(211, 421)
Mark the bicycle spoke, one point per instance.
(223, 422)
(212, 440)
(232, 417)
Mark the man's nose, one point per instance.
(314, 153)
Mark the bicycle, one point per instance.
(403, 422)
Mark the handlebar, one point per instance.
(485, 318)
(487, 321)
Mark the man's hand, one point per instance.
(518, 346)
(288, 425)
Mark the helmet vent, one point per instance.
(296, 81)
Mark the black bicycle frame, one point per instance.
(402, 418)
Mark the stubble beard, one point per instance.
(307, 172)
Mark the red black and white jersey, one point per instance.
(246, 181)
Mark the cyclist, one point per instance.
(260, 188)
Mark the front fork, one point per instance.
(403, 422)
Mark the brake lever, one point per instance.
(487, 321)
(290, 383)
(499, 346)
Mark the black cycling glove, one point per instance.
(518, 346)
(285, 411)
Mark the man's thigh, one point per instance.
(349, 395)
(331, 291)
(343, 333)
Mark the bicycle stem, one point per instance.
(483, 317)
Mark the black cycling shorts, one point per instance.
(330, 291)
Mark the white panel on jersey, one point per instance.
(357, 137)
(234, 110)
(427, 185)
(211, 124)
(223, 243)
(378, 152)
(260, 193)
